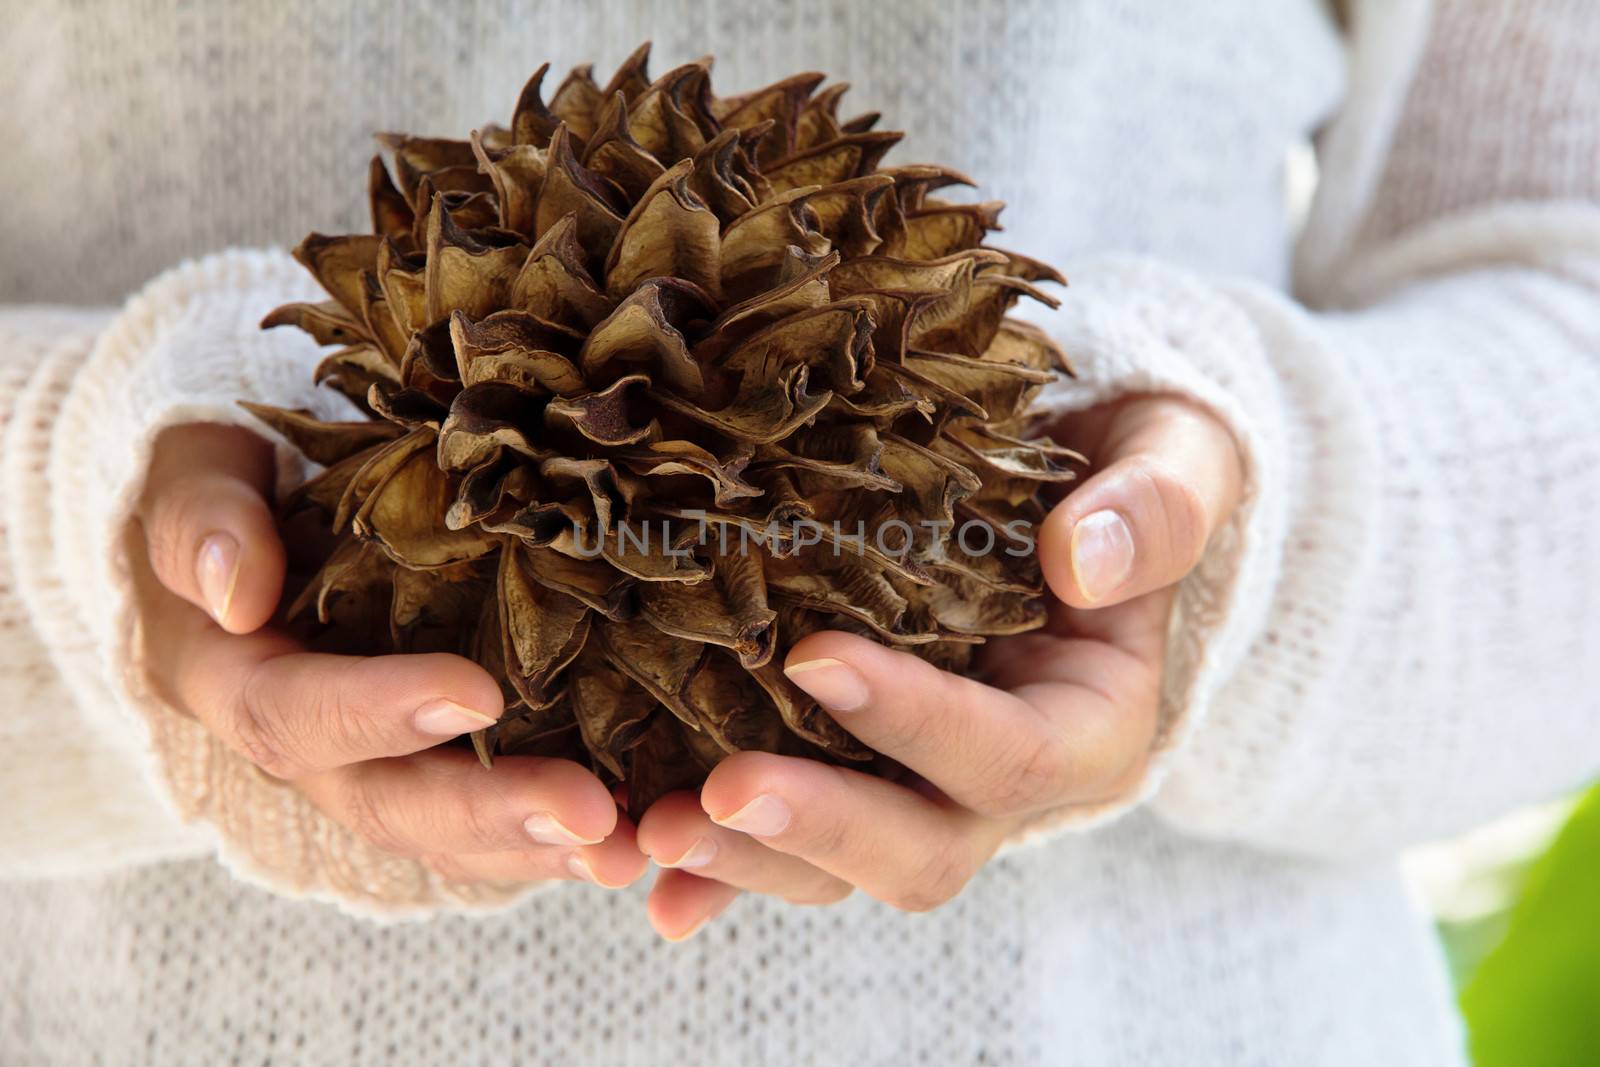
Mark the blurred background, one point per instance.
(1517, 903)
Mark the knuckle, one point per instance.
(909, 729)
(362, 812)
(923, 722)
(348, 720)
(826, 837)
(943, 873)
(480, 828)
(314, 723)
(257, 730)
(1183, 512)
(170, 517)
(1030, 780)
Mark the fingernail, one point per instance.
(548, 830)
(702, 852)
(580, 869)
(217, 571)
(835, 684)
(1102, 553)
(762, 817)
(698, 925)
(446, 718)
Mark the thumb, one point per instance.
(210, 531)
(1170, 475)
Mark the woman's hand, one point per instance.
(355, 735)
(1068, 719)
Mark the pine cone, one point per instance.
(653, 384)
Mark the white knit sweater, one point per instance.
(1395, 638)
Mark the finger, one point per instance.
(504, 868)
(681, 904)
(445, 801)
(613, 863)
(896, 845)
(677, 833)
(292, 712)
(1077, 729)
(209, 528)
(1065, 648)
(1171, 475)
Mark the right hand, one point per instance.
(354, 735)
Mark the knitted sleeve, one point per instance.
(183, 350)
(1386, 643)
(76, 800)
(1394, 638)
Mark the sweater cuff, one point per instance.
(185, 350)
(76, 800)
(1134, 326)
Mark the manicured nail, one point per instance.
(698, 925)
(548, 830)
(762, 817)
(1102, 554)
(580, 869)
(446, 718)
(702, 852)
(217, 571)
(836, 685)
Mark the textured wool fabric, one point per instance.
(1136, 948)
(1386, 644)
(65, 825)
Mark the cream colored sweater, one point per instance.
(1394, 640)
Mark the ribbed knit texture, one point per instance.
(66, 825)
(1387, 643)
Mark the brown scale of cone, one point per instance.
(639, 304)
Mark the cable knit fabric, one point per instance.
(1385, 644)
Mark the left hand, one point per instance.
(1068, 719)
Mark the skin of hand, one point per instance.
(1067, 717)
(354, 735)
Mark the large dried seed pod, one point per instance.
(650, 385)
